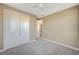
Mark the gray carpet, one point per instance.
(40, 47)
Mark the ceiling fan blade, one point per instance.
(35, 6)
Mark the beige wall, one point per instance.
(62, 27)
(1, 27)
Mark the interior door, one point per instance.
(24, 31)
(12, 24)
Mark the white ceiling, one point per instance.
(49, 9)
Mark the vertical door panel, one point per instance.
(12, 19)
(24, 27)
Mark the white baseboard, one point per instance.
(65, 45)
(16, 46)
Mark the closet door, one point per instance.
(12, 24)
(24, 28)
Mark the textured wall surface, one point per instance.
(62, 27)
(1, 27)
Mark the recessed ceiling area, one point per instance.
(41, 9)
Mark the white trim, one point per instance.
(4, 34)
(4, 30)
(65, 45)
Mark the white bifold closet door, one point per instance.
(24, 28)
(16, 28)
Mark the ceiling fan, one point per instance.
(40, 6)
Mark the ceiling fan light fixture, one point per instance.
(39, 6)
